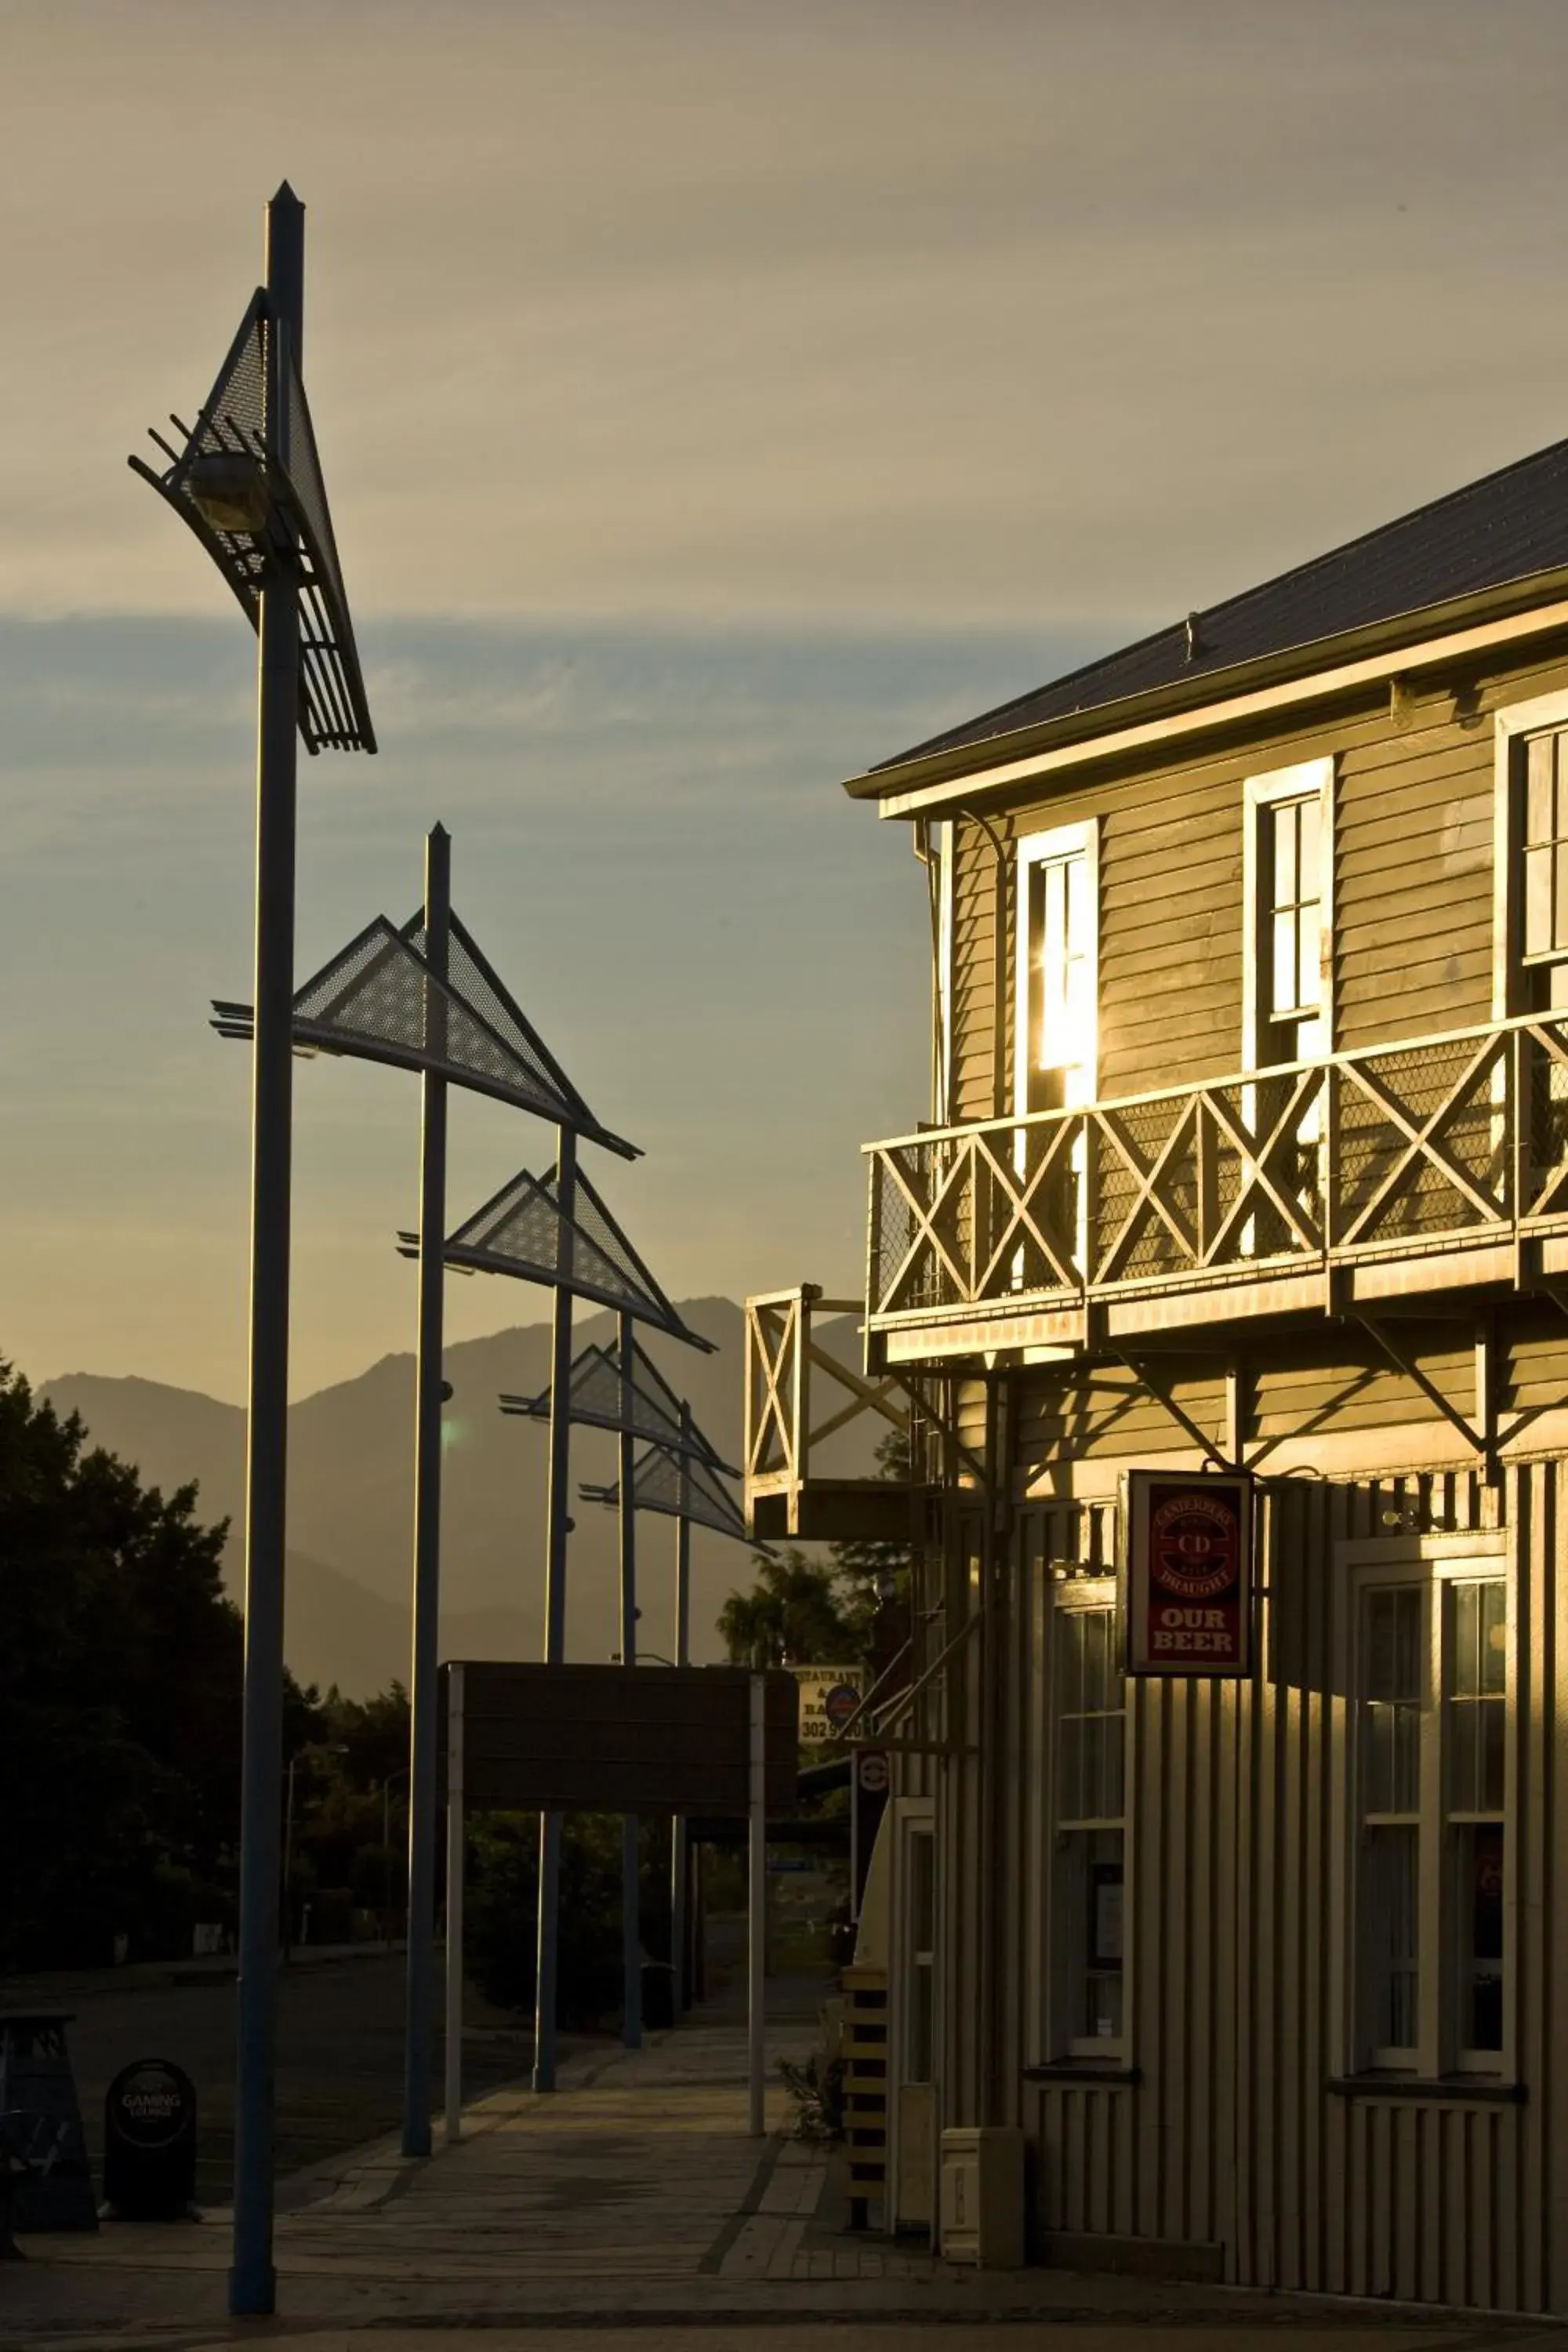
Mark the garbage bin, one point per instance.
(658, 1995)
(150, 2143)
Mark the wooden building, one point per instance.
(1249, 1149)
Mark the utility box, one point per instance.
(982, 2197)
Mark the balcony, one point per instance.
(1320, 1188)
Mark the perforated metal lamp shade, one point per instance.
(258, 513)
(521, 1230)
(681, 1490)
(644, 1406)
(371, 1002)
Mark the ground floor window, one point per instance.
(919, 1975)
(1088, 1929)
(1433, 1664)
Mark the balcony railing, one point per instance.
(1452, 1149)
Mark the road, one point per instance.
(340, 2054)
(1355, 2333)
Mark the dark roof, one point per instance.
(1507, 526)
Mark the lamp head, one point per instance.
(229, 488)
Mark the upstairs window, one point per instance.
(1530, 859)
(1544, 851)
(1059, 951)
(1295, 913)
(1288, 879)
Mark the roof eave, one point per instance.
(1217, 687)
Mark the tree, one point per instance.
(795, 1613)
(500, 1914)
(120, 1684)
(803, 1612)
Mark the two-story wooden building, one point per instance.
(1249, 1149)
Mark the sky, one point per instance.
(715, 398)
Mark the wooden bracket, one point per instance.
(1483, 1434)
(1160, 1391)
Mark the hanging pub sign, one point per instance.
(1188, 1572)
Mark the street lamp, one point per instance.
(556, 1229)
(247, 482)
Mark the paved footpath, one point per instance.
(632, 2196)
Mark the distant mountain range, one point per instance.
(351, 1498)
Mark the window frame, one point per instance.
(914, 1818)
(941, 849)
(1435, 1564)
(1541, 714)
(1034, 849)
(1082, 1595)
(1260, 794)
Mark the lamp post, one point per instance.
(247, 483)
(631, 1891)
(253, 2281)
(430, 1390)
(678, 1890)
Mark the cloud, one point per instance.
(649, 841)
(913, 310)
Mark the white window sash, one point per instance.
(1432, 1562)
(1261, 793)
(1062, 1933)
(941, 848)
(1035, 849)
(1537, 716)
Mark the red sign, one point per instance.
(1189, 1573)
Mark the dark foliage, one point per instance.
(819, 1611)
(120, 1684)
(501, 1909)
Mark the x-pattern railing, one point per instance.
(1447, 1137)
(783, 1361)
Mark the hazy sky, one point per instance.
(715, 398)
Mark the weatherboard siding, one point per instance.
(1230, 2138)
(1412, 926)
(974, 976)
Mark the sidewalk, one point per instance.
(633, 2192)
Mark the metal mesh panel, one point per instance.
(657, 1486)
(1149, 1247)
(234, 418)
(309, 492)
(233, 423)
(521, 1229)
(1291, 1160)
(1051, 1203)
(473, 982)
(598, 1229)
(375, 998)
(895, 1231)
(520, 1232)
(598, 1397)
(1388, 1187)
(1544, 1113)
(930, 1279)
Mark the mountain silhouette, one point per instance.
(351, 1497)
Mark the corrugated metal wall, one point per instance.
(1230, 2135)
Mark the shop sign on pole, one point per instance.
(1188, 1572)
(869, 1802)
(830, 1697)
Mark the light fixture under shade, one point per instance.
(231, 491)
